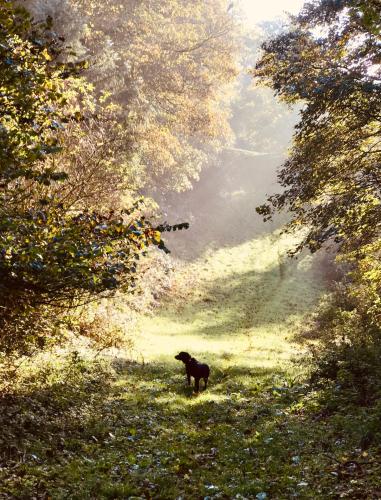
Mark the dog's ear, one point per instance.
(183, 356)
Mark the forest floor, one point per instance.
(77, 428)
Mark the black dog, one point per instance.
(194, 369)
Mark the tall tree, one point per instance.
(50, 255)
(166, 64)
(330, 62)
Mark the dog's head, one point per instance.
(183, 356)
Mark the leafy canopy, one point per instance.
(167, 65)
(330, 62)
(50, 254)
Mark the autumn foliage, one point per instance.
(52, 254)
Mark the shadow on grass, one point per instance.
(55, 420)
(251, 299)
(89, 432)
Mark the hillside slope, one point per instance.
(243, 303)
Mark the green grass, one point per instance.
(245, 303)
(116, 428)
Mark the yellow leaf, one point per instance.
(46, 55)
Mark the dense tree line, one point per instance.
(81, 139)
(330, 62)
(163, 67)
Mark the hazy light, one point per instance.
(266, 10)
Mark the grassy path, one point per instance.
(243, 303)
(87, 430)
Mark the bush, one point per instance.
(349, 347)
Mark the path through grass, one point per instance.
(239, 306)
(120, 429)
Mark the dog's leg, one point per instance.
(188, 377)
(205, 382)
(197, 384)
